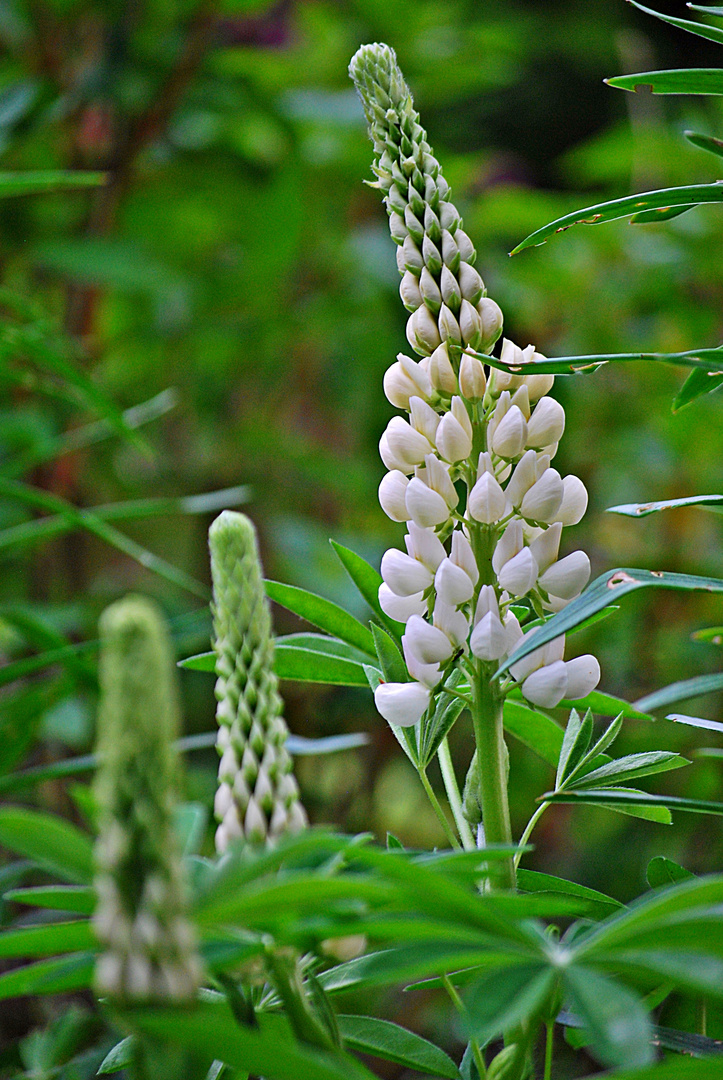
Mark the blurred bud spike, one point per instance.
(149, 948)
(258, 798)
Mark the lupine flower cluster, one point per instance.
(257, 796)
(149, 948)
(470, 468)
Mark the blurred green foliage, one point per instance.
(236, 256)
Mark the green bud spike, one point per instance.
(149, 948)
(257, 797)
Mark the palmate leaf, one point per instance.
(600, 906)
(631, 767)
(540, 733)
(507, 997)
(705, 502)
(613, 583)
(678, 81)
(615, 1018)
(388, 1041)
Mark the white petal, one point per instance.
(486, 601)
(452, 584)
(422, 544)
(403, 574)
(402, 703)
(392, 461)
(425, 642)
(542, 501)
(452, 623)
(486, 500)
(546, 424)
(509, 544)
(398, 387)
(519, 574)
(488, 641)
(423, 418)
(567, 577)
(437, 477)
(400, 607)
(425, 507)
(583, 675)
(428, 674)
(547, 686)
(463, 556)
(574, 501)
(546, 545)
(391, 495)
(453, 442)
(405, 443)
(522, 478)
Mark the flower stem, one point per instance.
(528, 832)
(548, 1050)
(461, 1009)
(448, 831)
(455, 799)
(492, 751)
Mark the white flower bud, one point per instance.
(424, 506)
(411, 257)
(470, 325)
(392, 461)
(567, 577)
(441, 371)
(398, 387)
(522, 479)
(402, 703)
(509, 438)
(429, 291)
(486, 602)
(391, 495)
(450, 251)
(513, 631)
(546, 546)
(418, 374)
(400, 608)
(574, 501)
(448, 326)
(519, 574)
(539, 385)
(453, 442)
(448, 216)
(462, 555)
(422, 331)
(223, 800)
(547, 686)
(414, 225)
(436, 476)
(451, 622)
(422, 544)
(486, 500)
(404, 575)
(546, 424)
(423, 418)
(459, 411)
(452, 584)
(583, 675)
(504, 380)
(450, 289)
(406, 444)
(491, 321)
(488, 641)
(409, 291)
(498, 415)
(470, 283)
(397, 228)
(472, 380)
(467, 252)
(431, 255)
(509, 544)
(425, 642)
(542, 501)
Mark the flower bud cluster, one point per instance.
(470, 468)
(257, 798)
(149, 950)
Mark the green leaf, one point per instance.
(695, 721)
(699, 359)
(323, 614)
(120, 1057)
(677, 81)
(540, 733)
(191, 820)
(54, 844)
(630, 767)
(322, 643)
(504, 998)
(604, 705)
(435, 727)
(600, 905)
(699, 382)
(38, 183)
(269, 1050)
(675, 1068)
(705, 142)
(47, 939)
(706, 502)
(618, 1024)
(711, 634)
(205, 661)
(49, 977)
(681, 691)
(692, 195)
(311, 665)
(712, 33)
(650, 217)
(413, 962)
(80, 899)
(382, 1039)
(367, 581)
(390, 658)
(575, 745)
(637, 803)
(662, 871)
(617, 582)
(605, 741)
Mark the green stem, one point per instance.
(548, 1050)
(703, 1016)
(492, 751)
(528, 832)
(462, 1010)
(448, 832)
(455, 799)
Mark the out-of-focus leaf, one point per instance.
(678, 81)
(600, 905)
(540, 733)
(692, 195)
(706, 502)
(323, 614)
(662, 871)
(79, 899)
(120, 1057)
(681, 691)
(712, 634)
(705, 142)
(37, 183)
(54, 844)
(618, 1024)
(695, 721)
(49, 976)
(712, 33)
(507, 997)
(675, 1068)
(382, 1039)
(47, 939)
(617, 583)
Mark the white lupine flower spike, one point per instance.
(468, 467)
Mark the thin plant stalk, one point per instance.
(453, 794)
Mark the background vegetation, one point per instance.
(236, 257)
